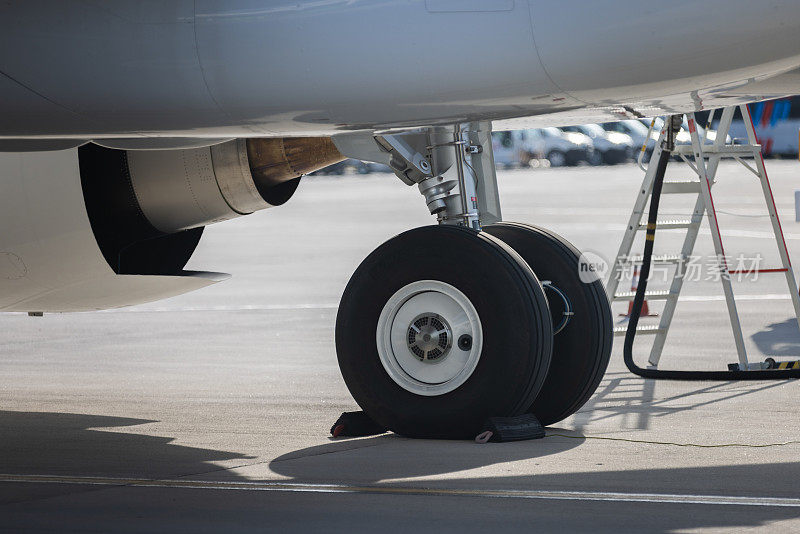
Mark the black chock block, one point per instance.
(356, 424)
(518, 428)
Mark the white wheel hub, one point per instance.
(429, 337)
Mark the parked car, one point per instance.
(638, 133)
(510, 149)
(558, 147)
(609, 147)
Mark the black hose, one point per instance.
(638, 301)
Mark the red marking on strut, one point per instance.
(771, 197)
(692, 128)
(748, 271)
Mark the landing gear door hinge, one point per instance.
(405, 153)
(409, 158)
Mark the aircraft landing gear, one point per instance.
(442, 327)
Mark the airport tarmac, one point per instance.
(211, 411)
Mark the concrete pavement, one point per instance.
(211, 411)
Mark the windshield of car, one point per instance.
(636, 127)
(658, 124)
(593, 130)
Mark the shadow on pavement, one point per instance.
(387, 460)
(755, 480)
(779, 339)
(75, 444)
(389, 457)
(631, 401)
(35, 443)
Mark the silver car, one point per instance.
(638, 133)
(609, 147)
(559, 147)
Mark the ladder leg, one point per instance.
(677, 283)
(688, 247)
(705, 188)
(633, 224)
(773, 212)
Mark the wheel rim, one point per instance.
(429, 338)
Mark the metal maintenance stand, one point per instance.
(703, 158)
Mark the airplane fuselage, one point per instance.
(213, 69)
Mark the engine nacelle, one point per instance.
(93, 227)
(148, 207)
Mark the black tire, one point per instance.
(515, 321)
(596, 158)
(557, 158)
(582, 350)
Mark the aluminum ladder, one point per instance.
(703, 159)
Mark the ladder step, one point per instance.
(650, 295)
(678, 188)
(671, 224)
(645, 330)
(661, 258)
(729, 151)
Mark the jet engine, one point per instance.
(148, 207)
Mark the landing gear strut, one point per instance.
(445, 326)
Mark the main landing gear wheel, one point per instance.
(582, 349)
(441, 328)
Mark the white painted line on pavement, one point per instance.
(714, 298)
(246, 307)
(333, 305)
(406, 490)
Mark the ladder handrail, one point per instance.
(640, 159)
